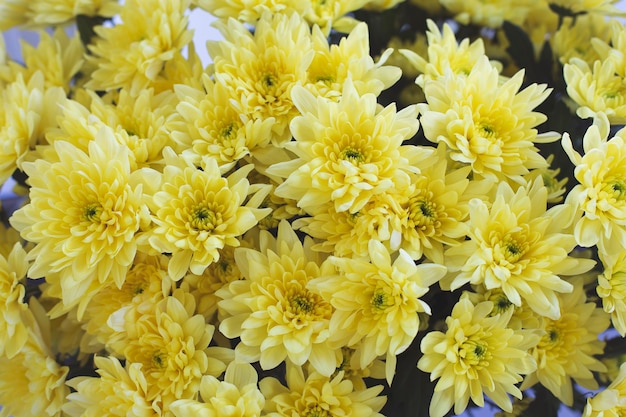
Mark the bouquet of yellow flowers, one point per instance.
(359, 208)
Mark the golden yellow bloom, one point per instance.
(519, 246)
(317, 395)
(272, 310)
(27, 111)
(610, 402)
(114, 393)
(477, 354)
(236, 396)
(601, 193)
(263, 67)
(350, 58)
(132, 54)
(15, 318)
(494, 131)
(612, 287)
(32, 383)
(44, 13)
(567, 348)
(197, 212)
(347, 151)
(491, 13)
(377, 302)
(84, 212)
(211, 126)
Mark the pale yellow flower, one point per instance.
(44, 13)
(117, 391)
(495, 131)
(478, 354)
(84, 213)
(250, 11)
(566, 350)
(376, 302)
(236, 396)
(262, 68)
(487, 13)
(573, 39)
(197, 212)
(15, 318)
(132, 53)
(27, 111)
(347, 151)
(272, 310)
(317, 395)
(611, 401)
(612, 287)
(551, 180)
(600, 194)
(518, 245)
(604, 7)
(333, 14)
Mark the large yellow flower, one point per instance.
(273, 312)
(84, 213)
(486, 124)
(567, 348)
(477, 354)
(610, 402)
(263, 67)
(348, 151)
(197, 212)
(601, 193)
(316, 395)
(132, 53)
(519, 246)
(377, 302)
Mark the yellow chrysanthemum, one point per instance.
(487, 13)
(14, 323)
(611, 401)
(273, 312)
(197, 212)
(444, 54)
(519, 246)
(551, 180)
(377, 302)
(333, 14)
(236, 396)
(262, 68)
(84, 212)
(44, 13)
(350, 58)
(117, 391)
(495, 131)
(317, 395)
(573, 39)
(132, 54)
(612, 288)
(478, 354)
(567, 348)
(347, 151)
(27, 111)
(575, 7)
(250, 11)
(32, 383)
(211, 126)
(600, 194)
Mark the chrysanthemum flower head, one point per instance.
(567, 348)
(610, 402)
(250, 12)
(519, 246)
(333, 14)
(491, 14)
(574, 7)
(376, 302)
(317, 395)
(573, 39)
(84, 212)
(197, 212)
(262, 68)
(347, 151)
(477, 354)
(486, 124)
(236, 396)
(272, 310)
(15, 318)
(44, 13)
(612, 288)
(132, 54)
(600, 194)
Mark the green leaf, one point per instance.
(520, 48)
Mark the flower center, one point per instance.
(159, 360)
(616, 188)
(202, 218)
(316, 411)
(302, 303)
(513, 249)
(91, 212)
(380, 300)
(475, 352)
(353, 155)
(227, 131)
(500, 303)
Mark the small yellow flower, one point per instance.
(491, 14)
(316, 395)
(573, 39)
(197, 212)
(477, 354)
(14, 323)
(612, 288)
(236, 396)
(45, 13)
(272, 310)
(610, 402)
(377, 302)
(251, 11)
(600, 194)
(567, 348)
(348, 151)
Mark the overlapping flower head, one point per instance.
(279, 234)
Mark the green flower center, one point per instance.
(92, 212)
(202, 218)
(353, 155)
